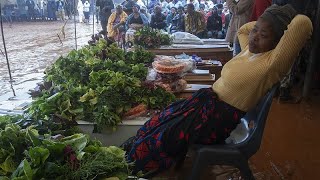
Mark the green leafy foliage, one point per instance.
(24, 154)
(97, 84)
(4, 120)
(148, 37)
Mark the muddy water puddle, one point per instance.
(33, 46)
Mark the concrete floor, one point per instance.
(290, 149)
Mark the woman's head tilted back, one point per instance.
(270, 27)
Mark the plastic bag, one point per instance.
(171, 65)
(175, 86)
(186, 38)
(152, 75)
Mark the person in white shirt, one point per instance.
(171, 4)
(80, 11)
(178, 3)
(210, 4)
(86, 11)
(42, 4)
(60, 9)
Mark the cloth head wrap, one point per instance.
(279, 17)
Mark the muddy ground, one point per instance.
(31, 47)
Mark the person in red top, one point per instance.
(258, 8)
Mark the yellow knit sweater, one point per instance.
(247, 77)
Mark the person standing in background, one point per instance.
(258, 8)
(241, 11)
(80, 11)
(41, 5)
(60, 9)
(86, 11)
(51, 8)
(30, 5)
(69, 6)
(105, 7)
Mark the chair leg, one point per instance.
(245, 170)
(199, 164)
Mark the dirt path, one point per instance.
(34, 46)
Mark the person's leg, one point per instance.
(62, 15)
(164, 139)
(220, 35)
(103, 22)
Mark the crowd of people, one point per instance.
(205, 19)
(31, 10)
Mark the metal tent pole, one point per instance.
(6, 54)
(75, 24)
(94, 13)
(313, 56)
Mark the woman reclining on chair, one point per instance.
(270, 46)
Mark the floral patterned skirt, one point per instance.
(164, 139)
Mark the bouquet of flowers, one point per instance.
(151, 38)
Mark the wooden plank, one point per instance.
(199, 77)
(220, 47)
(215, 68)
(221, 54)
(195, 87)
(191, 88)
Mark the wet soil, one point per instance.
(32, 46)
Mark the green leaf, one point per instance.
(38, 155)
(80, 155)
(65, 104)
(23, 171)
(27, 169)
(4, 178)
(33, 136)
(77, 141)
(53, 169)
(8, 166)
(77, 111)
(94, 101)
(55, 148)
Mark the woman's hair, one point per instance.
(279, 17)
